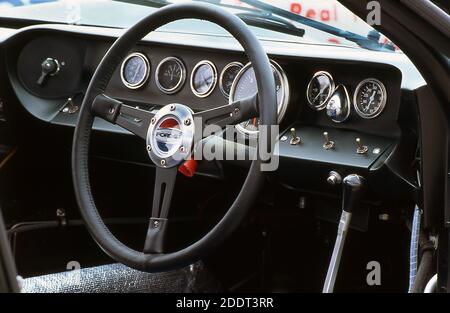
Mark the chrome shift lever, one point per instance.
(351, 196)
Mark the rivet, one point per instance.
(172, 108)
(153, 120)
(149, 148)
(163, 162)
(187, 122)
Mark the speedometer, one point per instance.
(370, 98)
(245, 86)
(135, 70)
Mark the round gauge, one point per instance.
(370, 98)
(135, 70)
(227, 77)
(339, 105)
(320, 89)
(245, 86)
(203, 79)
(170, 75)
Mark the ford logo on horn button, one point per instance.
(168, 135)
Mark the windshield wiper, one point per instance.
(262, 19)
(271, 22)
(258, 18)
(148, 3)
(364, 42)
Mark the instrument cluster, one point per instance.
(237, 81)
(369, 97)
(171, 75)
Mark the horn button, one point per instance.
(170, 136)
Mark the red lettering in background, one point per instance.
(311, 14)
(325, 15)
(296, 8)
(334, 40)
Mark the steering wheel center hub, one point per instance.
(170, 136)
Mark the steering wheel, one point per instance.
(169, 139)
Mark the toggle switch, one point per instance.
(329, 144)
(295, 140)
(361, 149)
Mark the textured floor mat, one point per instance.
(118, 278)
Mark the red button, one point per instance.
(188, 168)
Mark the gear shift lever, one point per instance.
(351, 196)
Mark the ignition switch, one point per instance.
(50, 67)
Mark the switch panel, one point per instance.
(344, 151)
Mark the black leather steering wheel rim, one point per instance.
(80, 150)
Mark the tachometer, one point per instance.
(245, 86)
(170, 75)
(320, 89)
(135, 70)
(370, 98)
(228, 76)
(203, 79)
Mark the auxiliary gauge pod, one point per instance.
(352, 186)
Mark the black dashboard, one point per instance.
(162, 70)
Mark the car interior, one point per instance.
(132, 157)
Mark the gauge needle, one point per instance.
(205, 81)
(171, 72)
(320, 92)
(136, 72)
(371, 100)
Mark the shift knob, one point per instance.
(352, 191)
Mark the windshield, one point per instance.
(306, 21)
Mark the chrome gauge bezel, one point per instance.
(347, 102)
(141, 83)
(284, 100)
(214, 84)
(226, 68)
(330, 93)
(383, 101)
(180, 83)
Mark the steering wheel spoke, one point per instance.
(162, 198)
(116, 112)
(230, 114)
